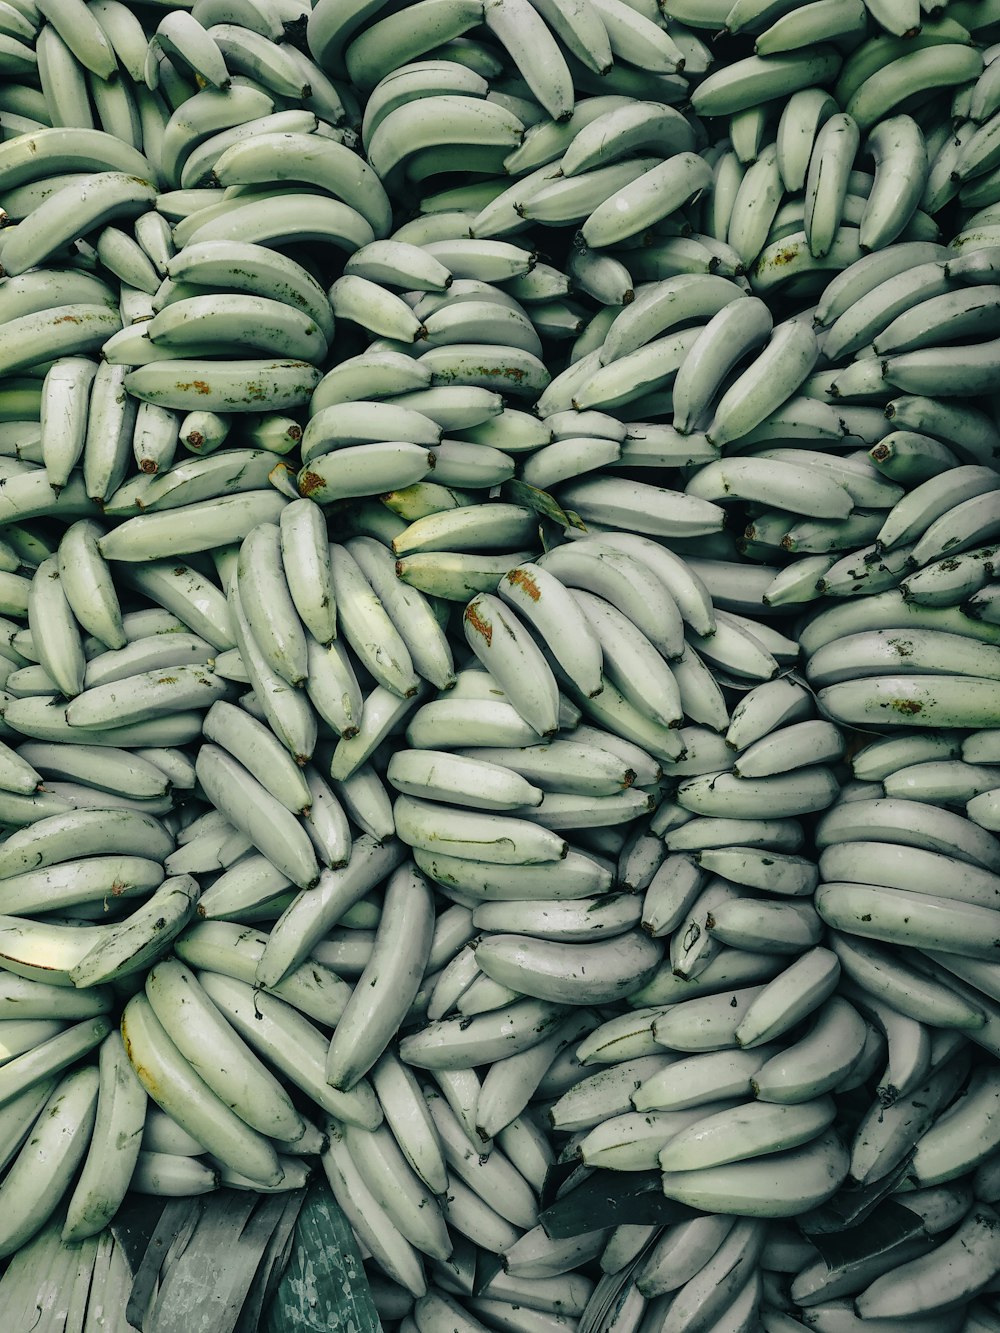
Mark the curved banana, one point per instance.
(386, 988)
(177, 1089)
(220, 1056)
(41, 1172)
(112, 1152)
(71, 211)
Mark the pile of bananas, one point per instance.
(500, 647)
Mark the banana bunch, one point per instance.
(499, 521)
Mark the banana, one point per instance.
(955, 1270)
(886, 610)
(686, 1084)
(387, 986)
(333, 688)
(417, 79)
(144, 696)
(984, 809)
(412, 616)
(51, 1055)
(311, 160)
(55, 629)
(592, 1100)
(386, 45)
(63, 414)
(918, 997)
(313, 912)
(577, 875)
(897, 147)
(625, 581)
(367, 627)
(790, 997)
(291, 1044)
(826, 184)
(876, 307)
(73, 882)
(110, 425)
(650, 197)
(881, 758)
(664, 305)
(945, 701)
(367, 1216)
(900, 917)
(911, 868)
(782, 1184)
(886, 1134)
(782, 484)
(755, 79)
(622, 129)
(254, 269)
(968, 523)
(508, 652)
(955, 579)
(671, 895)
(450, 1044)
(865, 274)
(557, 919)
(749, 1130)
(960, 424)
(502, 839)
(683, 1250)
(231, 386)
(535, 53)
(404, 1197)
(177, 1088)
(232, 950)
(239, 322)
(793, 31)
(203, 432)
(438, 775)
(44, 1167)
(251, 808)
(155, 439)
(173, 1175)
(408, 1116)
(267, 603)
(112, 1153)
(204, 1037)
(940, 66)
(492, 1176)
(803, 115)
(914, 513)
(87, 584)
(72, 210)
(511, 1083)
(737, 329)
(128, 945)
(791, 747)
(962, 1136)
(184, 39)
(290, 716)
(546, 968)
(429, 122)
(915, 825)
(702, 1293)
(773, 377)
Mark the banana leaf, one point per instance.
(851, 1205)
(885, 1228)
(612, 1198)
(324, 1288)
